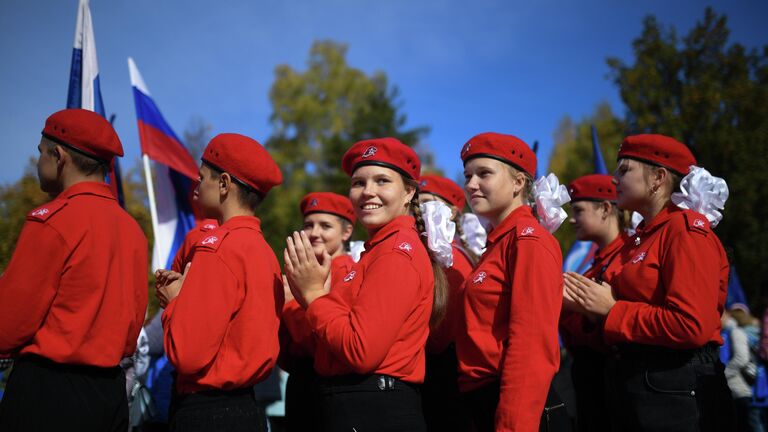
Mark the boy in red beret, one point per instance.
(222, 314)
(73, 297)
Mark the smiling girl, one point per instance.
(371, 324)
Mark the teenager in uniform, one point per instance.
(508, 351)
(440, 392)
(328, 222)
(372, 323)
(661, 312)
(73, 297)
(595, 218)
(222, 313)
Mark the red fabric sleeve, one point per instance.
(531, 355)
(196, 321)
(688, 317)
(577, 330)
(363, 334)
(29, 285)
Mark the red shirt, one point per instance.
(221, 330)
(672, 286)
(445, 333)
(512, 303)
(376, 317)
(575, 328)
(187, 248)
(75, 291)
(296, 338)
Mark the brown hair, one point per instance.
(624, 217)
(85, 164)
(440, 295)
(246, 196)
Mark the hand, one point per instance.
(305, 275)
(169, 285)
(595, 298)
(571, 304)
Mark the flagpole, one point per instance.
(150, 194)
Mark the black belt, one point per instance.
(94, 371)
(362, 383)
(658, 354)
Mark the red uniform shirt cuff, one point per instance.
(612, 327)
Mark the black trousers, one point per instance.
(659, 389)
(588, 375)
(302, 399)
(481, 404)
(443, 410)
(218, 410)
(366, 403)
(42, 395)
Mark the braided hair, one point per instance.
(440, 295)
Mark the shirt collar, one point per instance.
(88, 188)
(660, 219)
(243, 222)
(611, 247)
(397, 224)
(509, 223)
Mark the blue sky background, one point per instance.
(463, 67)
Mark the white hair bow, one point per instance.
(550, 196)
(440, 231)
(704, 193)
(475, 232)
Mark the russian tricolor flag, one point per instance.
(581, 254)
(175, 170)
(84, 90)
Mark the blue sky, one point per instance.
(463, 67)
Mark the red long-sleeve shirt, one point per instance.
(221, 330)
(75, 290)
(671, 289)
(296, 338)
(511, 307)
(445, 333)
(575, 329)
(186, 250)
(376, 317)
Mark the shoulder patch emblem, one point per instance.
(208, 227)
(699, 223)
(44, 212)
(210, 240)
(405, 246)
(527, 231)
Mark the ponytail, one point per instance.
(440, 294)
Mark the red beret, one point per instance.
(327, 202)
(84, 131)
(593, 187)
(506, 148)
(244, 159)
(658, 150)
(386, 152)
(444, 188)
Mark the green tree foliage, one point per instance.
(572, 156)
(317, 115)
(711, 95)
(16, 200)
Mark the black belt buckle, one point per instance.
(386, 382)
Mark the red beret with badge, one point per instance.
(386, 152)
(593, 187)
(443, 188)
(505, 148)
(328, 202)
(658, 150)
(85, 132)
(245, 160)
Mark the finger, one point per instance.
(287, 261)
(326, 260)
(301, 251)
(293, 257)
(311, 258)
(186, 269)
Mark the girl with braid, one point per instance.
(371, 324)
(440, 393)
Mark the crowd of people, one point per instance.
(423, 331)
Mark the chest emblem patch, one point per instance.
(480, 277)
(639, 257)
(350, 276)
